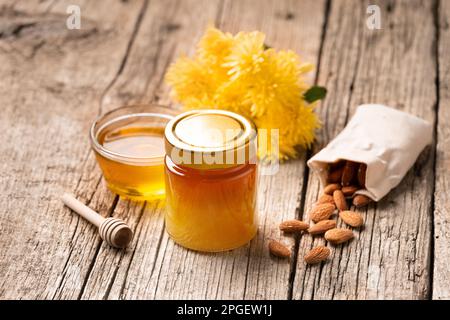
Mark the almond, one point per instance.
(325, 198)
(317, 255)
(293, 226)
(322, 227)
(339, 200)
(335, 175)
(321, 212)
(278, 249)
(330, 188)
(361, 200)
(362, 175)
(349, 172)
(351, 218)
(349, 190)
(338, 235)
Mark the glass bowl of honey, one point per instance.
(129, 146)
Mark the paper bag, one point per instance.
(388, 141)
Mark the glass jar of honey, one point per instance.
(211, 180)
(129, 146)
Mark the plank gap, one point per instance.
(219, 14)
(97, 250)
(301, 207)
(123, 62)
(134, 33)
(436, 8)
(322, 37)
(108, 291)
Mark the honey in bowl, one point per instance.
(129, 147)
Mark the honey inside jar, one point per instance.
(210, 205)
(129, 147)
(213, 211)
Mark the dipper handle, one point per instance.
(84, 211)
(114, 231)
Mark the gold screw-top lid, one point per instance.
(210, 139)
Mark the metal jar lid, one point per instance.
(210, 139)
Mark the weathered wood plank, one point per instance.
(288, 25)
(169, 28)
(441, 276)
(155, 267)
(52, 80)
(390, 257)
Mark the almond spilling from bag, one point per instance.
(291, 226)
(361, 200)
(322, 212)
(338, 235)
(362, 175)
(317, 255)
(349, 190)
(335, 175)
(322, 227)
(349, 173)
(330, 188)
(325, 198)
(279, 250)
(351, 218)
(339, 200)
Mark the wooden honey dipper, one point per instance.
(114, 231)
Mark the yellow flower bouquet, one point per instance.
(241, 74)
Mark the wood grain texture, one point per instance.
(52, 78)
(156, 267)
(55, 81)
(112, 275)
(441, 275)
(390, 257)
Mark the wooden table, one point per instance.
(55, 81)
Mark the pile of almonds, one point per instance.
(344, 179)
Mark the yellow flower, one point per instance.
(247, 55)
(233, 96)
(215, 46)
(194, 83)
(237, 73)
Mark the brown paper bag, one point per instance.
(388, 141)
